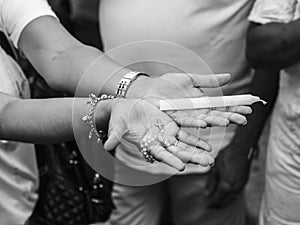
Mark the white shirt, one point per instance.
(281, 202)
(280, 11)
(18, 167)
(213, 30)
(287, 108)
(16, 14)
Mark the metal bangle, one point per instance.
(126, 81)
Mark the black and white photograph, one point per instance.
(149, 112)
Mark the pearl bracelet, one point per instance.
(89, 118)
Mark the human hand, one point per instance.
(138, 120)
(181, 85)
(228, 177)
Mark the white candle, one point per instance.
(208, 102)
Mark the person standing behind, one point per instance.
(220, 42)
(34, 29)
(80, 17)
(274, 43)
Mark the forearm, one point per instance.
(265, 84)
(274, 45)
(45, 121)
(66, 63)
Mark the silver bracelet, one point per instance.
(126, 81)
(89, 118)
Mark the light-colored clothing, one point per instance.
(18, 167)
(268, 11)
(174, 36)
(15, 15)
(281, 201)
(182, 196)
(211, 30)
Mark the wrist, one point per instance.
(102, 114)
(139, 87)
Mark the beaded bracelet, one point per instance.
(89, 118)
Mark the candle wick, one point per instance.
(264, 102)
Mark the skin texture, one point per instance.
(126, 121)
(62, 61)
(231, 172)
(265, 51)
(268, 55)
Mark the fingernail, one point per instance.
(222, 74)
(205, 160)
(211, 161)
(180, 169)
(203, 124)
(249, 111)
(208, 148)
(226, 123)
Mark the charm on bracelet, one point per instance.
(89, 118)
(160, 125)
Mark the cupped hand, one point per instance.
(140, 122)
(183, 85)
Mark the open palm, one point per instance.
(134, 120)
(182, 85)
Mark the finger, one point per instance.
(162, 155)
(232, 117)
(191, 154)
(210, 81)
(214, 120)
(187, 121)
(112, 142)
(241, 109)
(245, 110)
(202, 159)
(192, 140)
(191, 122)
(115, 135)
(196, 92)
(236, 118)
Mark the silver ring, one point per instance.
(167, 144)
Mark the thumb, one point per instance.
(115, 134)
(210, 81)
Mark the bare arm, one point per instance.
(62, 60)
(231, 172)
(45, 121)
(51, 121)
(274, 45)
